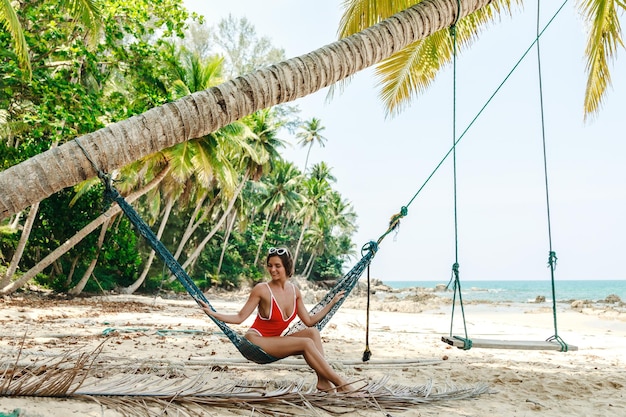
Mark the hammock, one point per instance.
(248, 349)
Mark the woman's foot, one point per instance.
(324, 385)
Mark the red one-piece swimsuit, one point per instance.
(276, 323)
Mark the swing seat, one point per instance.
(460, 343)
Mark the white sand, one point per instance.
(404, 340)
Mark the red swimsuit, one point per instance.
(276, 323)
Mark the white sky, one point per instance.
(380, 163)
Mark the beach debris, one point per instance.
(144, 390)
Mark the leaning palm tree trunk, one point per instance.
(80, 286)
(268, 222)
(206, 111)
(21, 245)
(229, 229)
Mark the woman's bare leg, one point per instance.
(312, 333)
(282, 347)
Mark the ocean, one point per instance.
(525, 291)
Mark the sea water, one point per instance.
(525, 291)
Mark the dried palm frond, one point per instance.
(140, 392)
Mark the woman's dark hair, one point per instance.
(285, 256)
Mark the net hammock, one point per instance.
(248, 349)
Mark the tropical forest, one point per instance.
(217, 202)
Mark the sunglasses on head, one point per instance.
(277, 251)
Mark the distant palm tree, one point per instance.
(279, 190)
(311, 132)
(315, 192)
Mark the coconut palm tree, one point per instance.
(411, 70)
(191, 169)
(311, 133)
(204, 112)
(279, 191)
(315, 192)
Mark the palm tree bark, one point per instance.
(198, 250)
(206, 111)
(268, 222)
(80, 235)
(78, 288)
(19, 251)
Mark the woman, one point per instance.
(277, 303)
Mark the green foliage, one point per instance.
(327, 268)
(79, 86)
(120, 260)
(8, 243)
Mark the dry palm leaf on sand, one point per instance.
(144, 390)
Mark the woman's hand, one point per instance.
(338, 296)
(206, 308)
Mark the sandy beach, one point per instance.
(144, 342)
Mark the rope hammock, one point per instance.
(465, 343)
(248, 349)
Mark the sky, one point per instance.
(503, 233)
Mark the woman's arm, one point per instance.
(312, 320)
(253, 301)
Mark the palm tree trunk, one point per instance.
(83, 281)
(80, 235)
(19, 251)
(198, 250)
(309, 266)
(135, 285)
(229, 230)
(70, 275)
(265, 230)
(193, 224)
(206, 111)
(16, 221)
(305, 225)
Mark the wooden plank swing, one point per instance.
(460, 343)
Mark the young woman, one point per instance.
(277, 303)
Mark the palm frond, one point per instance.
(145, 390)
(10, 21)
(604, 39)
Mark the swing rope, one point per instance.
(394, 222)
(467, 343)
(455, 278)
(552, 254)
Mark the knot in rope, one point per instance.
(455, 268)
(394, 222)
(370, 246)
(552, 260)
